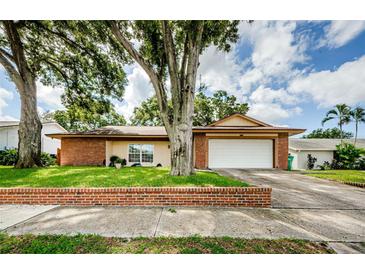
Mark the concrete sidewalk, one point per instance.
(310, 224)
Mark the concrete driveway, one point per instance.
(295, 190)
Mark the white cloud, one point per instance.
(268, 95)
(275, 48)
(338, 33)
(50, 96)
(220, 70)
(275, 51)
(327, 88)
(138, 89)
(5, 96)
(272, 105)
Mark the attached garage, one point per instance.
(240, 153)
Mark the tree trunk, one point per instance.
(356, 128)
(181, 150)
(30, 127)
(341, 133)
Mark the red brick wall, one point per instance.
(135, 196)
(282, 150)
(82, 151)
(201, 150)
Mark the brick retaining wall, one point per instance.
(139, 196)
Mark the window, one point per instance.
(138, 153)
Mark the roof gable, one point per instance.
(239, 120)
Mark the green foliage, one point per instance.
(76, 119)
(147, 114)
(148, 33)
(123, 161)
(311, 161)
(219, 106)
(47, 159)
(206, 109)
(342, 113)
(325, 166)
(8, 157)
(358, 114)
(113, 160)
(348, 156)
(76, 55)
(329, 133)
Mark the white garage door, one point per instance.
(240, 153)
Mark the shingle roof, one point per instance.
(125, 130)
(320, 144)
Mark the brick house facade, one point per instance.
(248, 141)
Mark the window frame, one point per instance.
(141, 154)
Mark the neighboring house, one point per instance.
(322, 149)
(237, 141)
(9, 136)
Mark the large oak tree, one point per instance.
(169, 51)
(74, 54)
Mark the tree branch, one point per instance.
(156, 81)
(171, 57)
(16, 47)
(7, 54)
(193, 58)
(11, 70)
(183, 62)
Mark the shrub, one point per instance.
(123, 162)
(325, 166)
(47, 159)
(348, 156)
(8, 157)
(311, 161)
(113, 159)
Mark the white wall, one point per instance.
(301, 157)
(9, 137)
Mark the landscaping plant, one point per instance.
(9, 157)
(112, 160)
(311, 161)
(348, 156)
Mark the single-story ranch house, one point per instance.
(237, 141)
(322, 149)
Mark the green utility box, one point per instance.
(290, 162)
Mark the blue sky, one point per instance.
(289, 72)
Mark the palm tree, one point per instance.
(358, 114)
(342, 112)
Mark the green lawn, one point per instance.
(108, 177)
(81, 244)
(343, 176)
